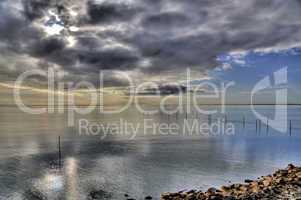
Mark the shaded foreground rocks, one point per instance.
(283, 184)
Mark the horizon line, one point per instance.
(98, 105)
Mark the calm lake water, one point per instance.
(146, 163)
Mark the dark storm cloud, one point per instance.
(15, 31)
(110, 59)
(146, 36)
(47, 46)
(54, 50)
(109, 11)
(164, 20)
(35, 8)
(179, 53)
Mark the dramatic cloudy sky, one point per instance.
(148, 39)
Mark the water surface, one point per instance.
(147, 164)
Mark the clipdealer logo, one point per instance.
(279, 122)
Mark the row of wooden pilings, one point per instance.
(258, 123)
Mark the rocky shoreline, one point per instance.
(282, 185)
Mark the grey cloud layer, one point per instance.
(147, 36)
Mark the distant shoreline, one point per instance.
(83, 105)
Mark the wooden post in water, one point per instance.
(267, 125)
(290, 127)
(60, 153)
(225, 123)
(243, 122)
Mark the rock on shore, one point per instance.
(283, 184)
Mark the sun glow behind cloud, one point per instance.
(53, 25)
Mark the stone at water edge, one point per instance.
(99, 194)
(225, 189)
(248, 181)
(212, 190)
(291, 167)
(298, 174)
